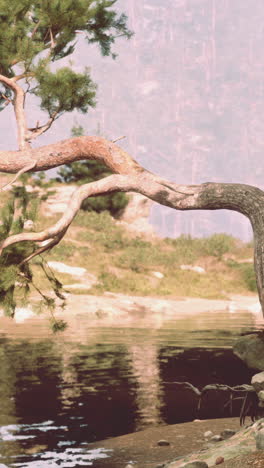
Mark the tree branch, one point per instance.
(37, 131)
(27, 168)
(129, 176)
(18, 103)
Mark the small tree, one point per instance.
(83, 172)
(34, 34)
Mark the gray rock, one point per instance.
(208, 434)
(227, 433)
(260, 440)
(216, 438)
(261, 399)
(163, 443)
(250, 349)
(257, 382)
(194, 464)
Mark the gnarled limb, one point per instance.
(130, 176)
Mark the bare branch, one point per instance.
(6, 99)
(19, 111)
(39, 130)
(27, 168)
(35, 29)
(118, 139)
(44, 248)
(106, 185)
(22, 76)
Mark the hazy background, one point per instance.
(187, 91)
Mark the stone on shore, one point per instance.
(242, 443)
(163, 443)
(195, 464)
(250, 349)
(227, 433)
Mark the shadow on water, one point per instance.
(59, 393)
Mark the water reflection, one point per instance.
(59, 393)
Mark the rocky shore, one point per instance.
(211, 443)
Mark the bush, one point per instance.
(219, 244)
(247, 272)
(249, 276)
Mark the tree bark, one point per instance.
(130, 176)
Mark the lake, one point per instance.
(99, 379)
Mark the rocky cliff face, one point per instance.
(187, 91)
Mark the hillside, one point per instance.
(122, 260)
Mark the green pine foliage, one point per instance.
(83, 172)
(16, 279)
(55, 90)
(36, 33)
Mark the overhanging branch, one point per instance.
(129, 176)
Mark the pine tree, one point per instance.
(86, 171)
(34, 34)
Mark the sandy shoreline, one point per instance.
(110, 306)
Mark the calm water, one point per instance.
(59, 393)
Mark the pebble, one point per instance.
(195, 464)
(163, 443)
(216, 438)
(227, 433)
(208, 434)
(219, 460)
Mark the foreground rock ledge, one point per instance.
(242, 443)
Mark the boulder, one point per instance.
(69, 270)
(257, 382)
(135, 216)
(58, 201)
(227, 433)
(197, 269)
(250, 349)
(261, 398)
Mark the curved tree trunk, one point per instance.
(130, 176)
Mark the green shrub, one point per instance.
(219, 244)
(247, 273)
(249, 276)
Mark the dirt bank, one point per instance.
(142, 447)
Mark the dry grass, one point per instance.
(125, 264)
